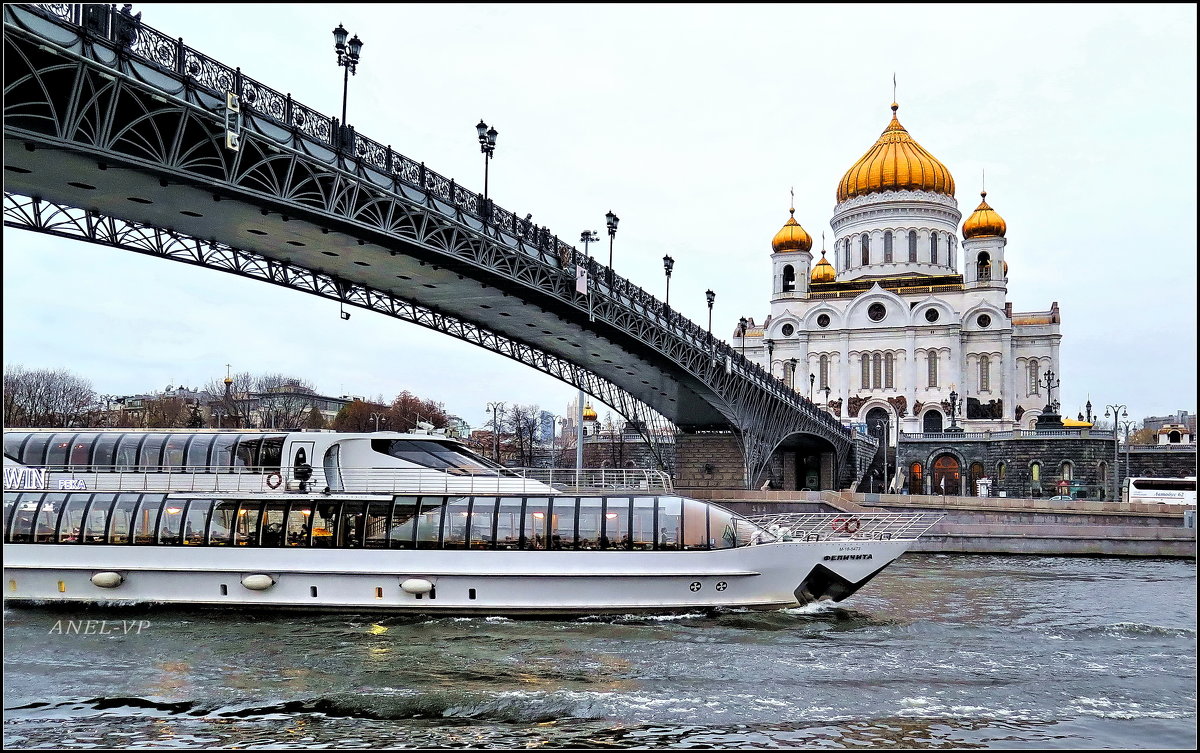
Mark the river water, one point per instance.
(937, 652)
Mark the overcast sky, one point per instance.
(691, 122)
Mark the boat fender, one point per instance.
(416, 586)
(107, 579)
(258, 582)
(274, 480)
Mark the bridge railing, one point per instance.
(137, 39)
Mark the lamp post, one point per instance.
(792, 376)
(954, 427)
(770, 355)
(742, 322)
(610, 221)
(1051, 383)
(812, 379)
(827, 391)
(1118, 412)
(710, 297)
(883, 426)
(377, 417)
(668, 265)
(497, 410)
(487, 145)
(347, 57)
(1128, 425)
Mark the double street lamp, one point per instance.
(347, 57)
(954, 427)
(377, 417)
(487, 145)
(1118, 411)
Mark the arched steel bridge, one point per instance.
(117, 134)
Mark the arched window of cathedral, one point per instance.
(789, 278)
(866, 371)
(912, 245)
(877, 363)
(985, 266)
(985, 376)
(846, 246)
(933, 369)
(824, 372)
(1035, 472)
(1001, 470)
(866, 249)
(932, 423)
(887, 247)
(888, 369)
(933, 248)
(1033, 377)
(915, 479)
(1066, 471)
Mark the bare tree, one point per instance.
(232, 402)
(166, 413)
(283, 401)
(521, 422)
(47, 397)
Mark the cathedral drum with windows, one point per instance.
(899, 313)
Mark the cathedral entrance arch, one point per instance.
(976, 474)
(932, 422)
(947, 475)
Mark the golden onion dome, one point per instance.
(588, 413)
(984, 222)
(895, 163)
(228, 380)
(823, 271)
(791, 237)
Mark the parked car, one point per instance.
(1061, 498)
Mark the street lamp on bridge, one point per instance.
(610, 221)
(347, 57)
(487, 145)
(742, 322)
(1118, 412)
(710, 297)
(770, 355)
(668, 265)
(792, 362)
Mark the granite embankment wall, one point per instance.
(998, 525)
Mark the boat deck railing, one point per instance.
(244, 479)
(800, 526)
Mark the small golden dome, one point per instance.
(791, 237)
(984, 222)
(228, 380)
(823, 271)
(895, 163)
(588, 413)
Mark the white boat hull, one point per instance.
(767, 576)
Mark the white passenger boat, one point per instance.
(396, 522)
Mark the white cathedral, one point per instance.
(904, 315)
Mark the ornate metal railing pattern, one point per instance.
(383, 191)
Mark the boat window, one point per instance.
(350, 525)
(616, 523)
(119, 522)
(591, 512)
(56, 453)
(150, 455)
(34, 452)
(96, 522)
(428, 454)
(173, 453)
(695, 524)
(722, 533)
(455, 535)
(170, 524)
(404, 515)
(102, 454)
(197, 452)
(299, 524)
(272, 453)
(47, 517)
(125, 456)
(670, 519)
(537, 519)
(12, 444)
(81, 447)
(221, 524)
(324, 524)
(10, 507)
(20, 526)
(429, 522)
(562, 523)
(196, 521)
(643, 522)
(458, 457)
(222, 452)
(483, 519)
(376, 529)
(246, 453)
(146, 517)
(249, 515)
(508, 523)
(70, 518)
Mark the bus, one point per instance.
(1172, 491)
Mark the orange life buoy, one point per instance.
(274, 480)
(838, 524)
(852, 525)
